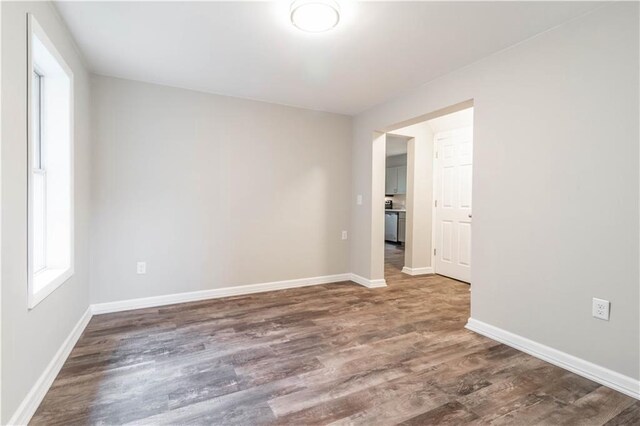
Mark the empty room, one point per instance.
(319, 212)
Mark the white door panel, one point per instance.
(464, 241)
(452, 180)
(464, 183)
(447, 236)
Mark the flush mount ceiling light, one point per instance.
(315, 16)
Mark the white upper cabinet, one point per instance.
(391, 181)
(396, 180)
(402, 179)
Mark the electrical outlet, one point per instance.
(141, 267)
(601, 309)
(359, 199)
(344, 235)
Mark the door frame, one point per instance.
(433, 210)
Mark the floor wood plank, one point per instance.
(330, 354)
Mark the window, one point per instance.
(39, 179)
(50, 155)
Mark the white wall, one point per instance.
(555, 184)
(213, 191)
(456, 120)
(31, 338)
(0, 218)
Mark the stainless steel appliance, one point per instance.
(391, 226)
(388, 204)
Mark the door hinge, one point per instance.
(434, 252)
(436, 203)
(436, 154)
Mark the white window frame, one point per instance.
(45, 282)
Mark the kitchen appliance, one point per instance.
(388, 204)
(391, 226)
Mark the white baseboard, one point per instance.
(604, 376)
(367, 282)
(194, 296)
(417, 271)
(30, 403)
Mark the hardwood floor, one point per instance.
(336, 353)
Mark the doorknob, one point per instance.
(469, 215)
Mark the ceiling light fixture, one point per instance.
(315, 16)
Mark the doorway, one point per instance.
(395, 196)
(435, 199)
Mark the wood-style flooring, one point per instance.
(336, 353)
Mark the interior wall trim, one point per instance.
(417, 271)
(193, 296)
(32, 400)
(609, 378)
(367, 282)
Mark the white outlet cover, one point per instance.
(359, 199)
(141, 267)
(344, 235)
(600, 309)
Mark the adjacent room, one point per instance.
(395, 202)
(192, 225)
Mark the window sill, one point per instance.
(46, 282)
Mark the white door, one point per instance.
(452, 183)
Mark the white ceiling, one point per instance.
(250, 49)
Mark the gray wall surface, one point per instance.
(213, 191)
(555, 182)
(30, 338)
